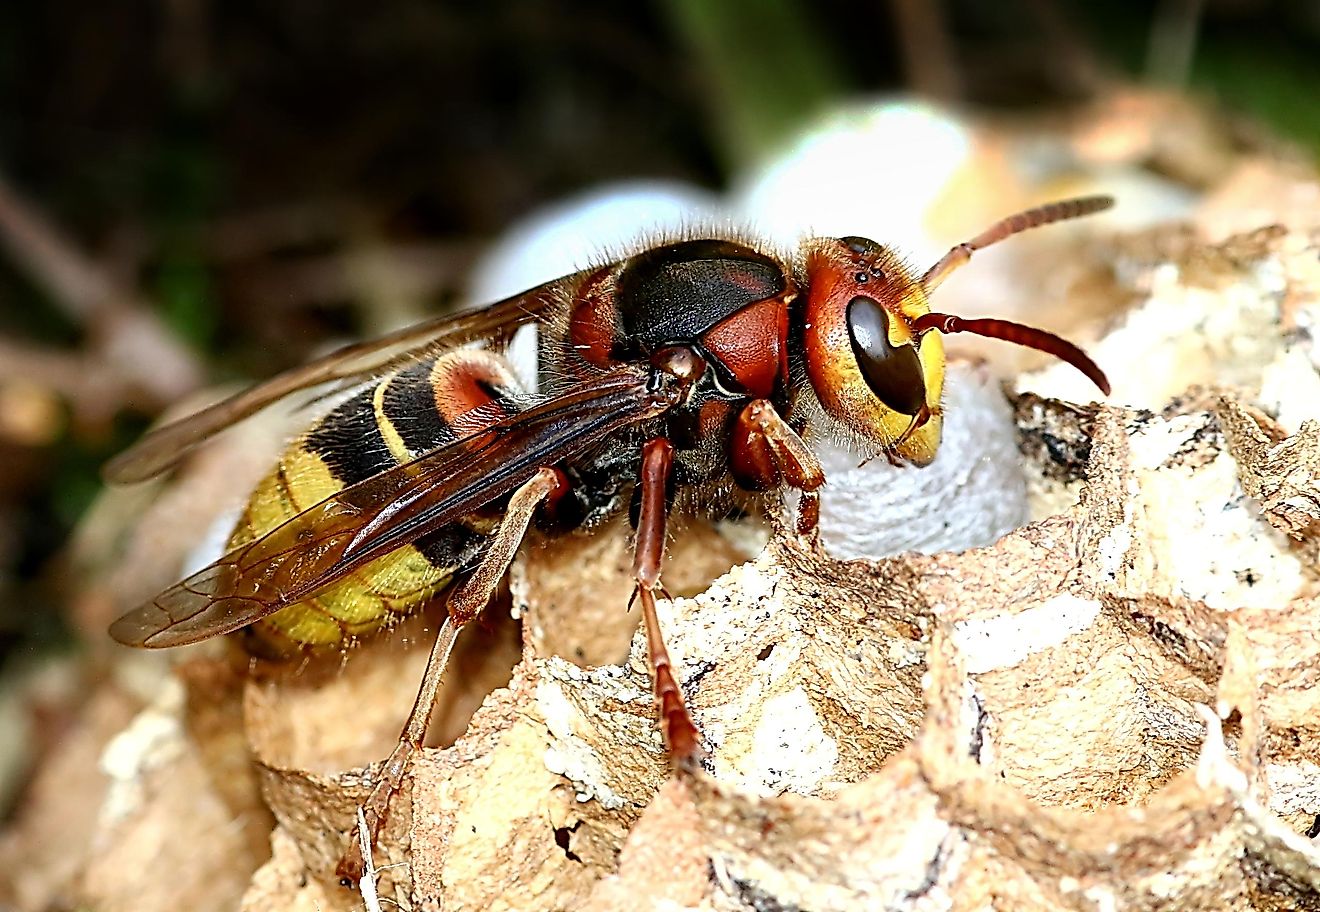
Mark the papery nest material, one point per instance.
(1023, 724)
(1111, 707)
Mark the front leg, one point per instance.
(766, 453)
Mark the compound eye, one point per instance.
(860, 245)
(893, 372)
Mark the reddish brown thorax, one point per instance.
(753, 345)
(722, 298)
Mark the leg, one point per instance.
(465, 603)
(389, 780)
(680, 732)
(468, 600)
(767, 453)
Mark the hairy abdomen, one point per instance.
(431, 403)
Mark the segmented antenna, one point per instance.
(1027, 336)
(1007, 330)
(1014, 224)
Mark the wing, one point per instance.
(376, 516)
(160, 449)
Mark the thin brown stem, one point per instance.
(125, 330)
(928, 58)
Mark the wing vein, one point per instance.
(364, 521)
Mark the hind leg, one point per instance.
(465, 602)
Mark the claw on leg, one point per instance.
(389, 781)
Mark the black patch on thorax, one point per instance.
(677, 292)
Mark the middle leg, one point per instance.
(680, 732)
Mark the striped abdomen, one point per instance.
(427, 404)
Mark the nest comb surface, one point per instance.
(1112, 707)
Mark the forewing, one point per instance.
(160, 449)
(360, 523)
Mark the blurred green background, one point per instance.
(209, 182)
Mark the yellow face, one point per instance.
(868, 369)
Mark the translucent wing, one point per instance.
(376, 516)
(159, 450)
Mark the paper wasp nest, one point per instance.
(1114, 706)
(1111, 707)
